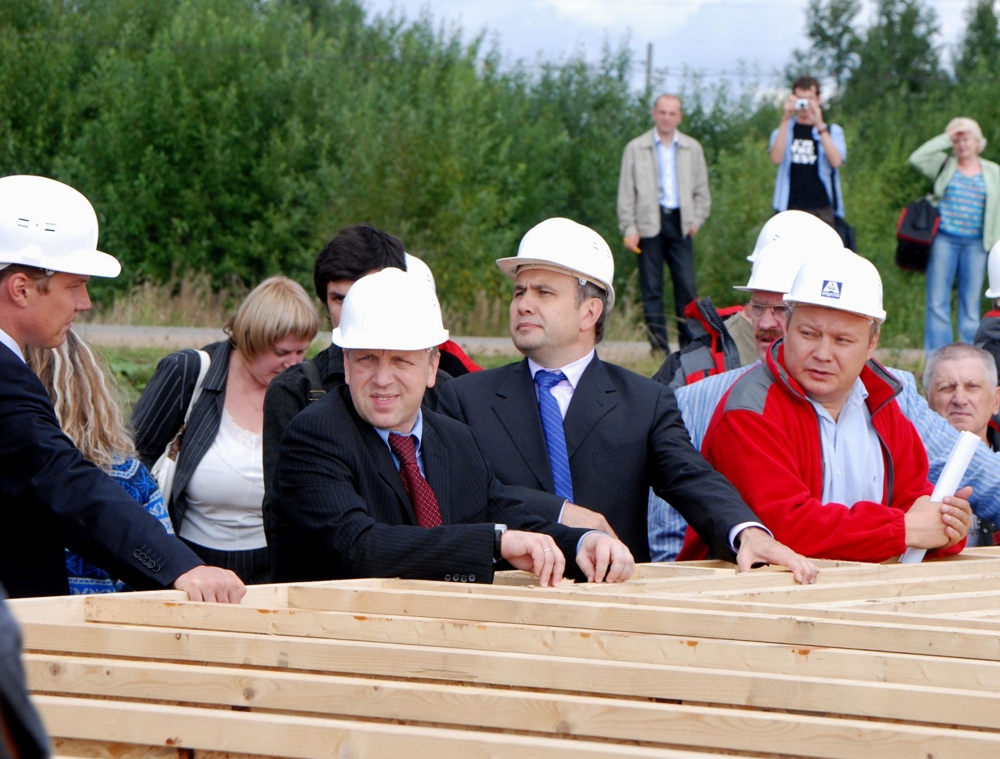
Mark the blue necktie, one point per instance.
(555, 435)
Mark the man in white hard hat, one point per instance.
(814, 439)
(774, 267)
(369, 484)
(582, 440)
(355, 251)
(54, 499)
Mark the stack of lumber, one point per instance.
(684, 660)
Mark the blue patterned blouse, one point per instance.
(135, 480)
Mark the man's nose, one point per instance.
(83, 302)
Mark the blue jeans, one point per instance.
(950, 255)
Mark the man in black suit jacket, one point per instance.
(52, 497)
(623, 433)
(347, 503)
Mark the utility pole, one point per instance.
(649, 66)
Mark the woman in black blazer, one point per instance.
(218, 486)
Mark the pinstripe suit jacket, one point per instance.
(339, 508)
(52, 499)
(161, 409)
(624, 435)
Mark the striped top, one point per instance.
(963, 205)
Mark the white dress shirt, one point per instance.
(9, 342)
(666, 164)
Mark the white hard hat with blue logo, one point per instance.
(843, 281)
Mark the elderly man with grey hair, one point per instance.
(960, 382)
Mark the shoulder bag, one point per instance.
(165, 468)
(915, 231)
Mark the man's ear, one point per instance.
(433, 370)
(996, 401)
(16, 287)
(592, 313)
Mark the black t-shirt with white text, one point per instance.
(806, 190)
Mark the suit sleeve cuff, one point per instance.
(735, 531)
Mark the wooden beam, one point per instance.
(554, 641)
(557, 715)
(304, 737)
(898, 638)
(728, 687)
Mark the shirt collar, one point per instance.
(417, 431)
(572, 371)
(856, 398)
(658, 141)
(10, 343)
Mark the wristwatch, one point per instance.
(498, 531)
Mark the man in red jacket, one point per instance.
(814, 440)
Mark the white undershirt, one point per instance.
(226, 491)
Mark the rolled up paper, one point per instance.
(949, 481)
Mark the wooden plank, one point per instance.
(727, 687)
(558, 715)
(82, 749)
(305, 737)
(929, 605)
(897, 638)
(554, 641)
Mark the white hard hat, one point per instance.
(797, 226)
(390, 310)
(415, 266)
(843, 281)
(778, 262)
(49, 225)
(564, 246)
(993, 271)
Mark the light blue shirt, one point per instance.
(666, 164)
(417, 432)
(853, 469)
(697, 404)
(783, 181)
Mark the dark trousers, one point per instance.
(675, 248)
(252, 566)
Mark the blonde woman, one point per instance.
(967, 195)
(86, 400)
(218, 486)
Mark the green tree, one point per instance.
(979, 51)
(834, 41)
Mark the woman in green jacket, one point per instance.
(967, 194)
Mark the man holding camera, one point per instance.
(808, 152)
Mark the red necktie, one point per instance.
(421, 496)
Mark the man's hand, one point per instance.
(757, 546)
(604, 559)
(956, 513)
(693, 231)
(536, 553)
(632, 243)
(577, 516)
(212, 584)
(789, 110)
(938, 525)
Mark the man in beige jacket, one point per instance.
(663, 201)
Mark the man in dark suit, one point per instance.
(564, 428)
(369, 484)
(52, 497)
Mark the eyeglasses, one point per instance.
(778, 312)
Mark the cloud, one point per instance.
(650, 14)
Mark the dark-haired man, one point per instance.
(807, 152)
(564, 428)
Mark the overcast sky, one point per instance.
(712, 36)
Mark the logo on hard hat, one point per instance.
(831, 289)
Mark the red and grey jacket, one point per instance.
(765, 438)
(711, 350)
